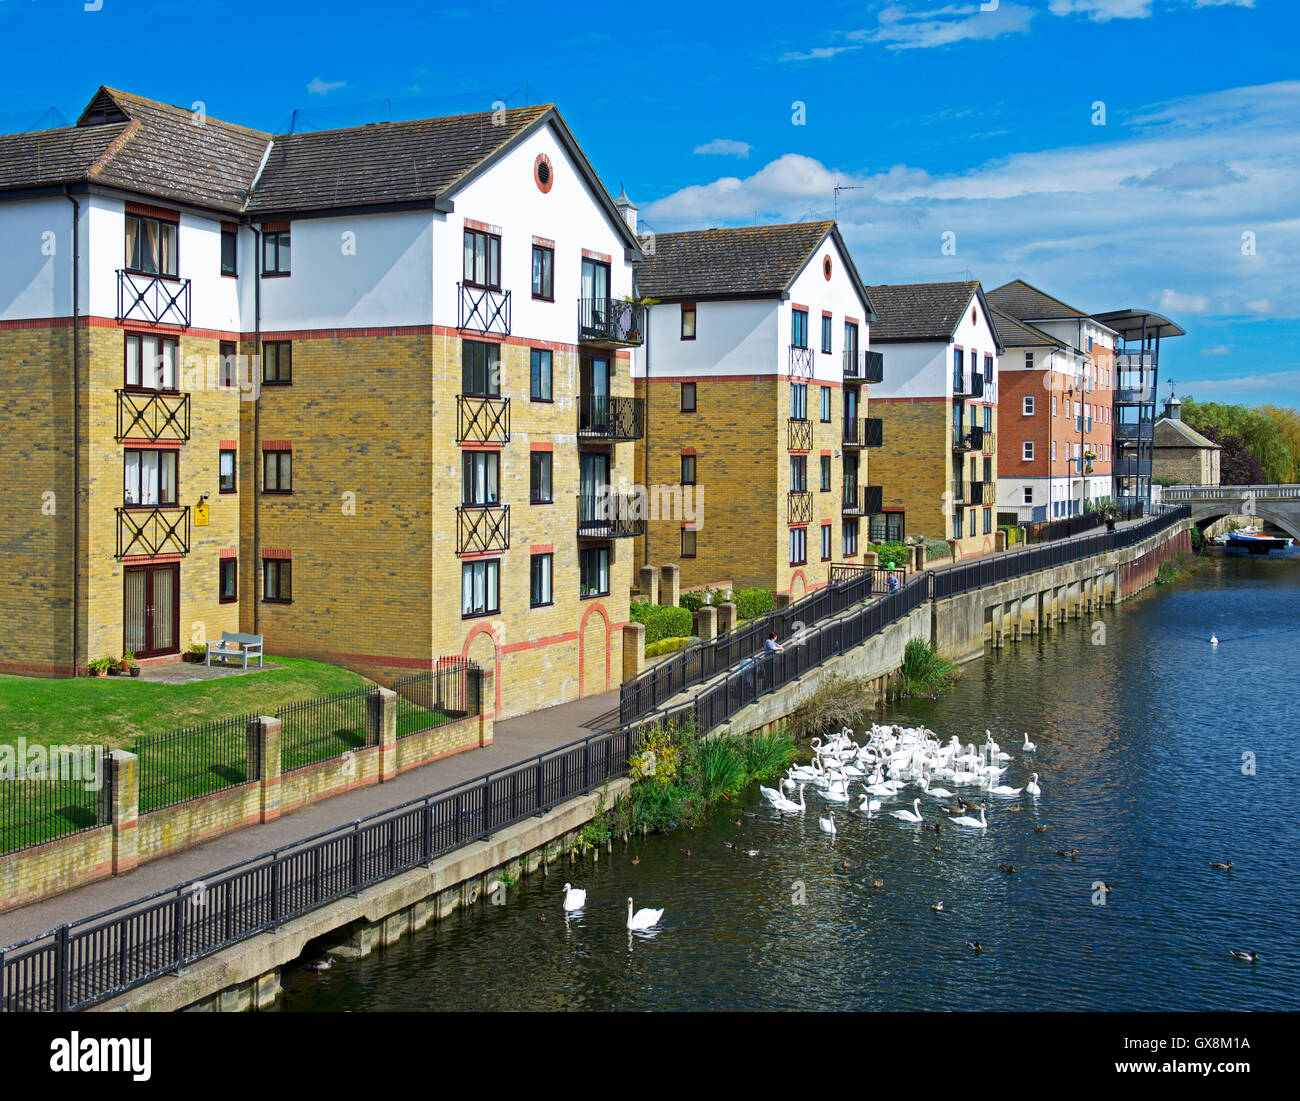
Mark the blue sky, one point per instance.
(946, 117)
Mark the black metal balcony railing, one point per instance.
(971, 439)
(1135, 395)
(976, 385)
(982, 493)
(801, 361)
(851, 500)
(152, 416)
(958, 491)
(480, 529)
(610, 321)
(959, 385)
(1140, 431)
(853, 364)
(482, 420)
(873, 367)
(873, 500)
(864, 432)
(799, 507)
(609, 515)
(164, 529)
(153, 299)
(800, 434)
(483, 310)
(608, 418)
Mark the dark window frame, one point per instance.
(473, 280)
(547, 293)
(694, 470)
(468, 458)
(798, 329)
(825, 474)
(280, 237)
(283, 574)
(176, 477)
(535, 359)
(486, 563)
(689, 308)
(826, 334)
(824, 404)
(799, 539)
(694, 398)
(489, 376)
(224, 565)
(694, 543)
(847, 526)
(228, 361)
(533, 562)
(175, 227)
(234, 470)
(534, 463)
(583, 555)
(140, 387)
(231, 271)
(277, 454)
(283, 370)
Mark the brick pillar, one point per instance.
(264, 737)
(918, 557)
(956, 552)
(728, 617)
(650, 583)
(1000, 541)
(706, 623)
(123, 808)
(487, 714)
(780, 600)
(383, 717)
(670, 585)
(870, 558)
(634, 645)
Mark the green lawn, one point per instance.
(113, 711)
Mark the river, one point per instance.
(1158, 754)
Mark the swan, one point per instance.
(827, 824)
(1214, 640)
(772, 795)
(789, 806)
(1032, 787)
(1028, 747)
(642, 919)
(913, 815)
(866, 807)
(1004, 789)
(975, 823)
(836, 793)
(575, 898)
(938, 793)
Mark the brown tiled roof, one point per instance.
(1027, 303)
(46, 157)
(1020, 334)
(388, 162)
(746, 261)
(920, 312)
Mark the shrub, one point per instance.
(937, 548)
(669, 646)
(661, 621)
(752, 603)
(1013, 532)
(925, 671)
(897, 553)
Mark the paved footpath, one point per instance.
(514, 740)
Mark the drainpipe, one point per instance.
(76, 433)
(646, 465)
(257, 421)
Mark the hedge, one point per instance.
(937, 548)
(750, 603)
(661, 620)
(1013, 532)
(669, 646)
(897, 553)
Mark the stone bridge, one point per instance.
(1278, 504)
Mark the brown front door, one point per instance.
(151, 614)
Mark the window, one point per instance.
(482, 259)
(826, 404)
(972, 521)
(988, 521)
(798, 546)
(593, 572)
(275, 253)
(988, 418)
(826, 334)
(799, 328)
(277, 471)
(799, 473)
(1029, 495)
(277, 362)
(826, 542)
(150, 478)
(480, 369)
(956, 523)
(689, 536)
(1029, 361)
(480, 478)
(688, 470)
(851, 341)
(1053, 451)
(228, 581)
(229, 251)
(688, 322)
(1053, 405)
(544, 275)
(539, 585)
(150, 363)
(228, 366)
(1089, 344)
(1027, 406)
(850, 538)
(958, 363)
(1027, 450)
(277, 580)
(539, 374)
(688, 397)
(539, 478)
(988, 368)
(151, 246)
(826, 474)
(988, 469)
(226, 472)
(799, 401)
(480, 588)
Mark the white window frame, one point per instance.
(1027, 451)
(1027, 406)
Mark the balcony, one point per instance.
(1135, 395)
(483, 310)
(851, 500)
(610, 322)
(482, 420)
(873, 367)
(801, 362)
(609, 515)
(864, 432)
(982, 493)
(976, 385)
(607, 418)
(800, 434)
(990, 442)
(990, 392)
(481, 529)
(960, 387)
(799, 507)
(151, 415)
(1135, 361)
(970, 440)
(958, 492)
(1140, 431)
(1130, 468)
(164, 529)
(153, 299)
(873, 500)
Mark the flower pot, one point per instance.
(135, 670)
(99, 672)
(114, 671)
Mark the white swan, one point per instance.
(1004, 789)
(1214, 640)
(1029, 747)
(979, 823)
(770, 794)
(913, 815)
(1032, 787)
(938, 793)
(575, 898)
(827, 824)
(866, 807)
(642, 919)
(789, 806)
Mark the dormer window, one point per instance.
(151, 246)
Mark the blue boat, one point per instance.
(1256, 544)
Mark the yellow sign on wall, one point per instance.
(201, 514)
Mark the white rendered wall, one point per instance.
(34, 283)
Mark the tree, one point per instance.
(1256, 431)
(1237, 466)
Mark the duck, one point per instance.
(1069, 854)
(932, 826)
(877, 883)
(937, 907)
(953, 808)
(1027, 746)
(322, 965)
(750, 852)
(1032, 787)
(636, 860)
(685, 852)
(1105, 888)
(575, 898)
(642, 919)
(1221, 866)
(1040, 828)
(1242, 954)
(827, 824)
(1009, 869)
(728, 844)
(913, 815)
(975, 946)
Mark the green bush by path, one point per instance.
(936, 549)
(752, 603)
(1013, 533)
(900, 554)
(669, 646)
(661, 621)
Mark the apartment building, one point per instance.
(754, 380)
(938, 405)
(367, 389)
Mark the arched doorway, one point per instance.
(593, 652)
(483, 647)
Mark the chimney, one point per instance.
(1174, 409)
(626, 209)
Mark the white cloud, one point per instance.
(1217, 350)
(1102, 11)
(1223, 3)
(1175, 302)
(1269, 381)
(817, 53)
(725, 147)
(900, 29)
(1189, 176)
(319, 87)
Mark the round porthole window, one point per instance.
(543, 173)
(826, 267)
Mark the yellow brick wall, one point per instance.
(914, 465)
